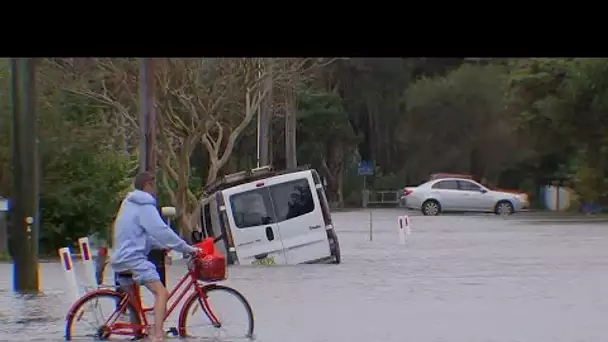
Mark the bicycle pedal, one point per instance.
(172, 331)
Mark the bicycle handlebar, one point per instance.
(221, 236)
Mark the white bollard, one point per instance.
(87, 261)
(403, 224)
(70, 276)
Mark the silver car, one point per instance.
(455, 194)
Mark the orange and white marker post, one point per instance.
(68, 268)
(403, 223)
(87, 261)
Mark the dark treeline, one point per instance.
(515, 123)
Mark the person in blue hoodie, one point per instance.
(139, 228)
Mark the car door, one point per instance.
(475, 196)
(300, 217)
(446, 191)
(253, 224)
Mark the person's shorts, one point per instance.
(142, 271)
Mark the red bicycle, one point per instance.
(128, 318)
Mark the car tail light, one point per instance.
(407, 191)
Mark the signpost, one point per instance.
(366, 168)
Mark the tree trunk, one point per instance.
(333, 166)
(265, 118)
(340, 188)
(290, 124)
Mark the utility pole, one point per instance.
(147, 117)
(25, 216)
(147, 141)
(264, 120)
(290, 123)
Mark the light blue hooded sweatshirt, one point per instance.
(138, 229)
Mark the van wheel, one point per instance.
(431, 208)
(334, 247)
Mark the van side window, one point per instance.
(207, 225)
(446, 184)
(252, 208)
(292, 199)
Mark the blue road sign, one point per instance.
(366, 168)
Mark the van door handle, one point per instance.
(269, 233)
(314, 227)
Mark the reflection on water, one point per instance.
(29, 315)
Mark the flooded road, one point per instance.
(457, 279)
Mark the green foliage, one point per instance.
(453, 123)
(84, 178)
(5, 128)
(352, 184)
(322, 121)
(80, 195)
(566, 116)
(327, 137)
(389, 181)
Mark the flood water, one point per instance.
(457, 279)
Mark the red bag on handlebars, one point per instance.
(211, 265)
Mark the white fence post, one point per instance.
(87, 261)
(403, 224)
(70, 276)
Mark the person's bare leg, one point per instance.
(160, 307)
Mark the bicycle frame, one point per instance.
(176, 295)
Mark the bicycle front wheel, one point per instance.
(86, 320)
(220, 312)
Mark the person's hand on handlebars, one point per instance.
(197, 252)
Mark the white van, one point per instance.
(267, 217)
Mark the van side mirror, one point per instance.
(483, 191)
(197, 236)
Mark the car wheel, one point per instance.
(431, 208)
(504, 208)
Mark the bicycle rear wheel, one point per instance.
(86, 320)
(221, 312)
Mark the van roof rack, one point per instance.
(247, 176)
